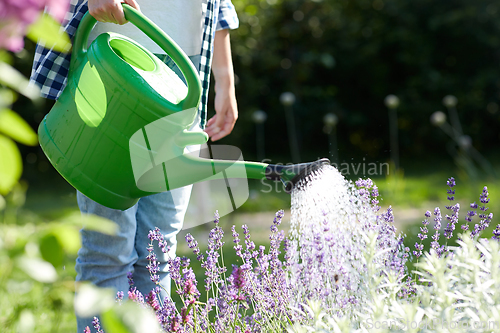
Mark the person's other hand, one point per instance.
(226, 112)
(110, 11)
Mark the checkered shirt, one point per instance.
(50, 68)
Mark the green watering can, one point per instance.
(119, 130)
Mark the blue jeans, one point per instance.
(105, 260)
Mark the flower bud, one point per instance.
(287, 98)
(438, 118)
(330, 119)
(391, 101)
(450, 101)
(259, 117)
(465, 141)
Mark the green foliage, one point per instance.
(36, 275)
(345, 56)
(10, 164)
(47, 30)
(12, 126)
(116, 317)
(458, 291)
(31, 287)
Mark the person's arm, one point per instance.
(226, 109)
(110, 10)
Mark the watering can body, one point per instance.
(119, 130)
(115, 88)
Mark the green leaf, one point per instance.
(38, 269)
(6, 57)
(91, 222)
(51, 250)
(113, 323)
(91, 300)
(12, 78)
(17, 128)
(129, 317)
(2, 204)
(68, 237)
(11, 164)
(7, 97)
(46, 30)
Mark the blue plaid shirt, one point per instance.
(50, 68)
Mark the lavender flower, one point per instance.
(193, 244)
(422, 235)
(451, 192)
(496, 233)
(238, 277)
(328, 258)
(485, 219)
(468, 218)
(236, 241)
(452, 220)
(97, 325)
(437, 226)
(119, 296)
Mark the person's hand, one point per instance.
(110, 11)
(226, 112)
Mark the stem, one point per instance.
(194, 315)
(237, 309)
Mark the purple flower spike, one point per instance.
(238, 277)
(130, 278)
(451, 191)
(193, 244)
(97, 325)
(437, 227)
(452, 220)
(216, 217)
(484, 196)
(496, 233)
(451, 182)
(485, 219)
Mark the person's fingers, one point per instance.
(120, 17)
(226, 130)
(110, 11)
(133, 3)
(211, 129)
(211, 121)
(219, 122)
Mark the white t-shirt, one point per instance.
(182, 20)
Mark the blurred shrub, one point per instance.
(345, 56)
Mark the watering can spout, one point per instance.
(187, 168)
(291, 175)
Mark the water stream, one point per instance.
(329, 217)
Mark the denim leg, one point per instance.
(105, 260)
(166, 211)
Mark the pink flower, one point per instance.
(17, 15)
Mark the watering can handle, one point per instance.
(158, 36)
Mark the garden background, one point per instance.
(337, 57)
